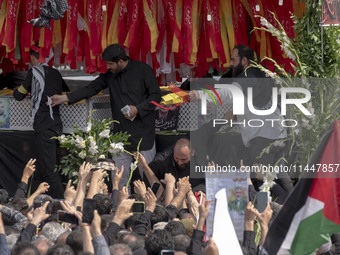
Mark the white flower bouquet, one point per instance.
(97, 142)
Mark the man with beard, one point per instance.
(176, 161)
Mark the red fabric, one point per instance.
(94, 14)
(10, 26)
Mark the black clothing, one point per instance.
(164, 163)
(54, 84)
(135, 85)
(196, 243)
(45, 128)
(27, 234)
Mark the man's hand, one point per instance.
(203, 214)
(249, 216)
(184, 185)
(122, 195)
(70, 192)
(139, 188)
(95, 226)
(85, 173)
(58, 99)
(133, 112)
(97, 175)
(123, 211)
(43, 187)
(169, 179)
(117, 177)
(265, 216)
(40, 214)
(28, 170)
(150, 200)
(68, 207)
(194, 96)
(141, 160)
(211, 248)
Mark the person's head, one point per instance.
(11, 240)
(182, 242)
(175, 228)
(103, 204)
(24, 248)
(159, 240)
(182, 154)
(184, 214)
(120, 249)
(34, 54)
(43, 244)
(52, 230)
(238, 192)
(240, 59)
(75, 241)
(115, 58)
(20, 204)
(159, 215)
(42, 198)
(133, 240)
(105, 221)
(60, 249)
(62, 238)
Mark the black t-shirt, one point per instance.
(54, 84)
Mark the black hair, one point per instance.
(34, 53)
(60, 249)
(182, 242)
(114, 53)
(159, 240)
(75, 241)
(175, 228)
(245, 51)
(159, 215)
(133, 240)
(25, 248)
(103, 204)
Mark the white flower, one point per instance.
(82, 154)
(279, 143)
(91, 138)
(116, 147)
(93, 149)
(266, 150)
(102, 156)
(75, 173)
(105, 133)
(80, 143)
(133, 165)
(89, 127)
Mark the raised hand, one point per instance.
(139, 188)
(85, 173)
(123, 211)
(40, 214)
(184, 185)
(117, 177)
(96, 225)
(122, 195)
(28, 170)
(70, 192)
(43, 187)
(141, 160)
(150, 200)
(168, 179)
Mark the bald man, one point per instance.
(176, 160)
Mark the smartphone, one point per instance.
(261, 201)
(155, 186)
(167, 252)
(53, 207)
(63, 216)
(138, 207)
(89, 206)
(36, 205)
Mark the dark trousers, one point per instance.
(46, 160)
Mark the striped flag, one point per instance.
(312, 211)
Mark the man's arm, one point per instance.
(153, 92)
(3, 242)
(14, 216)
(99, 244)
(21, 92)
(86, 92)
(29, 169)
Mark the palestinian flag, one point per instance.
(312, 211)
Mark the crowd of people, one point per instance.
(173, 219)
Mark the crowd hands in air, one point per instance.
(173, 218)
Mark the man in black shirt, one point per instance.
(132, 84)
(42, 82)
